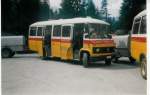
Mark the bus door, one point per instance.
(55, 41)
(39, 40)
(47, 41)
(77, 42)
(66, 42)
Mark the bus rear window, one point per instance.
(33, 31)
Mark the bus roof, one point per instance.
(140, 14)
(69, 21)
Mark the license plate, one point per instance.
(108, 57)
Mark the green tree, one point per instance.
(44, 11)
(9, 16)
(113, 23)
(91, 10)
(104, 10)
(129, 9)
(28, 13)
(17, 15)
(70, 8)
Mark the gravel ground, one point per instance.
(27, 74)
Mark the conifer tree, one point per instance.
(129, 9)
(70, 8)
(104, 10)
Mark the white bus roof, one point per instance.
(140, 14)
(69, 21)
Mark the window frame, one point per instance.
(141, 24)
(135, 22)
(71, 30)
(41, 32)
(100, 26)
(53, 31)
(35, 31)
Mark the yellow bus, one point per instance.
(138, 41)
(82, 39)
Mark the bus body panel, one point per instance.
(39, 47)
(66, 49)
(62, 48)
(55, 47)
(138, 47)
(90, 44)
(36, 44)
(32, 44)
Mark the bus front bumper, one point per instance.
(100, 57)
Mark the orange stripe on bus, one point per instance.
(139, 39)
(98, 41)
(65, 40)
(37, 39)
(62, 40)
(56, 40)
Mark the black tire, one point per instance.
(108, 61)
(115, 60)
(143, 67)
(12, 54)
(6, 53)
(85, 59)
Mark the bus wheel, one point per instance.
(108, 61)
(6, 53)
(115, 60)
(85, 60)
(143, 67)
(12, 54)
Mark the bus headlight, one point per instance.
(103, 49)
(96, 50)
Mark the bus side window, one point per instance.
(136, 26)
(39, 31)
(66, 31)
(33, 31)
(57, 31)
(143, 25)
(48, 30)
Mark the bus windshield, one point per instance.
(98, 31)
